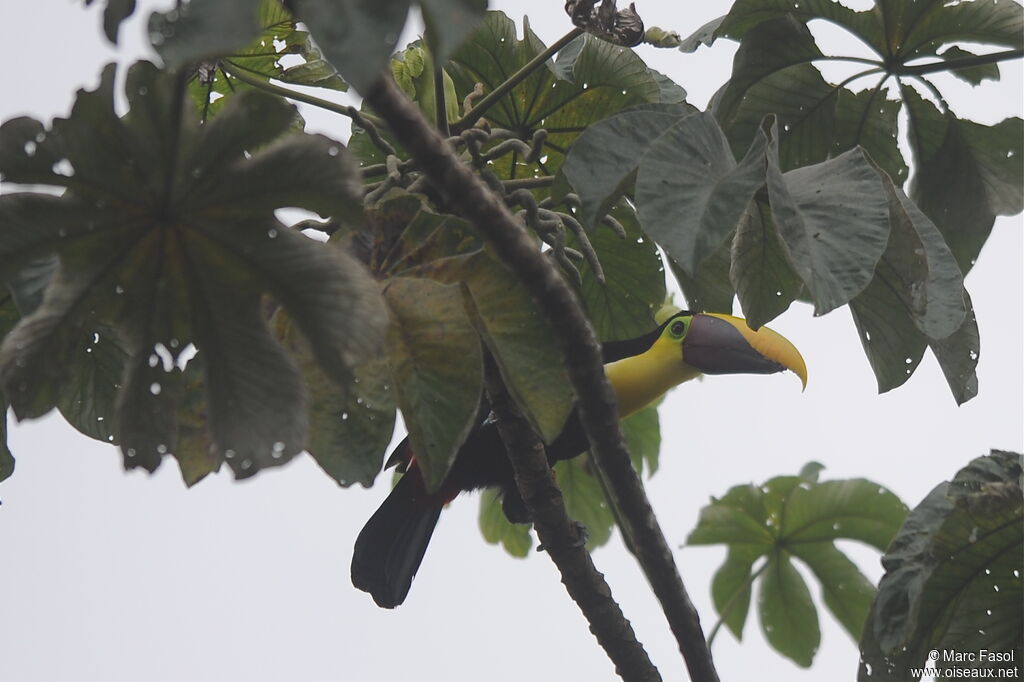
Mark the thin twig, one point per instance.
(580, 349)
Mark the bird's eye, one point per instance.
(678, 328)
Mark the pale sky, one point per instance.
(113, 577)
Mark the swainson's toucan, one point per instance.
(391, 545)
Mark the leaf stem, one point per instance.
(440, 105)
(477, 112)
(951, 64)
(360, 118)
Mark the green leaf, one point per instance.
(602, 162)
(953, 574)
(584, 499)
(710, 290)
(788, 617)
(796, 517)
(29, 283)
(920, 30)
(605, 79)
(438, 397)
(194, 454)
(958, 356)
(975, 75)
(168, 238)
(89, 395)
(690, 191)
(773, 74)
(844, 589)
(730, 587)
(968, 174)
(356, 37)
(870, 120)
(623, 306)
(517, 336)
(760, 270)
(854, 508)
(449, 22)
(745, 15)
(916, 295)
(496, 529)
(278, 50)
(834, 221)
(740, 517)
(195, 31)
(351, 422)
(642, 431)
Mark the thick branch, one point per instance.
(580, 348)
(560, 538)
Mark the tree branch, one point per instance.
(560, 536)
(581, 351)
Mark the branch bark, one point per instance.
(560, 537)
(579, 346)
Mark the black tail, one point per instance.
(391, 545)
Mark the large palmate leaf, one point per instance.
(167, 237)
(590, 79)
(689, 189)
(967, 173)
(597, 80)
(831, 218)
(796, 517)
(836, 232)
(953, 577)
(222, 48)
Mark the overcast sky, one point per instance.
(111, 577)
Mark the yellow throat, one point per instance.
(641, 379)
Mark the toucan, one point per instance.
(390, 548)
